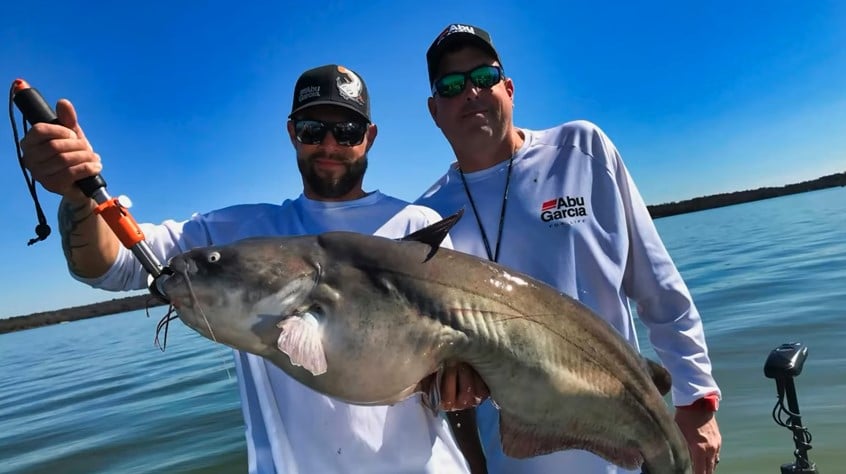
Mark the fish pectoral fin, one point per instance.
(300, 340)
(521, 440)
(660, 376)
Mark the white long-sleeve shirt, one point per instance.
(290, 428)
(575, 220)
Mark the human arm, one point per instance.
(58, 156)
(700, 429)
(462, 389)
(676, 332)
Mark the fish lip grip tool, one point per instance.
(114, 210)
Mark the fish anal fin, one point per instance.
(520, 440)
(660, 376)
(300, 340)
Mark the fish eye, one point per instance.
(213, 257)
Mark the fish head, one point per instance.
(320, 312)
(238, 294)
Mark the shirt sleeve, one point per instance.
(165, 240)
(662, 298)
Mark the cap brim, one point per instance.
(327, 102)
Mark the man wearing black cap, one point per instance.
(559, 205)
(289, 427)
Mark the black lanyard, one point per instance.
(495, 256)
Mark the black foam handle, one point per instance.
(33, 107)
(36, 110)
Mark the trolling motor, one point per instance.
(114, 210)
(783, 364)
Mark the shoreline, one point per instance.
(740, 197)
(78, 313)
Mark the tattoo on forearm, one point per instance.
(70, 218)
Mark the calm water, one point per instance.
(96, 396)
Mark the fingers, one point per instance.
(462, 387)
(702, 433)
(705, 466)
(58, 164)
(705, 462)
(471, 388)
(42, 133)
(703, 457)
(464, 396)
(67, 117)
(62, 172)
(67, 130)
(59, 155)
(449, 388)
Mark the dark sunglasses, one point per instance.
(346, 133)
(452, 84)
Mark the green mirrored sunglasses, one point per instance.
(452, 84)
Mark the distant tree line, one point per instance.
(738, 197)
(103, 308)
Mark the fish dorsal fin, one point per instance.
(660, 376)
(433, 235)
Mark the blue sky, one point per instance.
(186, 101)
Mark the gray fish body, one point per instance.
(386, 314)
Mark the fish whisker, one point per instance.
(164, 323)
(196, 302)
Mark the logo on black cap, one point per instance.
(457, 34)
(308, 92)
(350, 87)
(331, 85)
(455, 28)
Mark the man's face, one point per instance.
(476, 116)
(331, 171)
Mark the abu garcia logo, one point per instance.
(561, 208)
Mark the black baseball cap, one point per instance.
(457, 34)
(331, 85)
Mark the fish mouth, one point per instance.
(178, 290)
(175, 284)
(154, 284)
